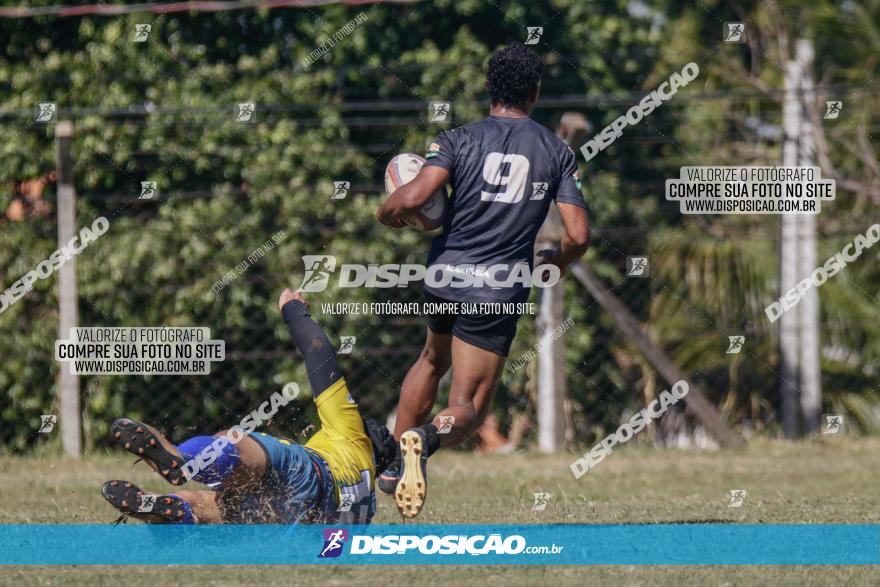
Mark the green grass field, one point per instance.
(819, 481)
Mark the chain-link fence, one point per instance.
(700, 298)
(223, 188)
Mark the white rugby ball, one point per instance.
(401, 170)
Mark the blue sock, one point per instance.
(188, 517)
(206, 463)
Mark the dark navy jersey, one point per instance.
(504, 172)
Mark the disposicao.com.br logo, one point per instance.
(319, 268)
(431, 544)
(334, 542)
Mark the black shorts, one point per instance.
(491, 332)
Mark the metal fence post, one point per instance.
(68, 383)
(810, 366)
(789, 322)
(551, 353)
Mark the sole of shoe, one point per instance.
(412, 487)
(147, 443)
(125, 496)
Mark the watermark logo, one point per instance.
(637, 267)
(56, 260)
(539, 190)
(833, 424)
(346, 503)
(318, 271)
(534, 35)
(735, 344)
(439, 111)
(446, 423)
(148, 190)
(340, 190)
(45, 112)
(734, 32)
(630, 428)
(737, 498)
(346, 345)
(832, 109)
(141, 33)
(264, 412)
(541, 500)
(140, 350)
(247, 263)
(146, 503)
(664, 92)
(821, 274)
(440, 545)
(334, 540)
(246, 112)
(47, 423)
(330, 42)
(547, 338)
(724, 189)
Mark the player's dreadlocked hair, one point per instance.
(512, 74)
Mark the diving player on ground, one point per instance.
(263, 479)
(504, 171)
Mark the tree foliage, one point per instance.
(163, 111)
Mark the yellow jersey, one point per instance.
(343, 442)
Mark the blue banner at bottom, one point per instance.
(637, 544)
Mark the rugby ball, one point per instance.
(401, 170)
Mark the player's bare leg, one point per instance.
(417, 396)
(183, 507)
(204, 504)
(419, 389)
(474, 380)
(473, 384)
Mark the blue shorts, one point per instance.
(298, 487)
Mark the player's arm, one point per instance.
(573, 209)
(412, 196)
(576, 239)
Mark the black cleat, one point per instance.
(411, 490)
(387, 481)
(149, 444)
(131, 501)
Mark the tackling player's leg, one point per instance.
(234, 465)
(238, 467)
(183, 507)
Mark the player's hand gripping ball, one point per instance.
(401, 170)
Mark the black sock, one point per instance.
(432, 439)
(397, 456)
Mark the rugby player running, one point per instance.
(504, 171)
(261, 478)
